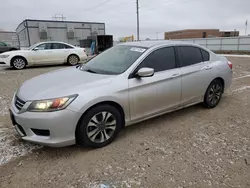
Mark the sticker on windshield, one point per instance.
(141, 50)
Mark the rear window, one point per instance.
(205, 54)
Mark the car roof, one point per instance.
(54, 42)
(152, 43)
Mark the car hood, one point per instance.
(14, 52)
(63, 82)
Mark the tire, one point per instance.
(93, 132)
(213, 94)
(73, 60)
(19, 63)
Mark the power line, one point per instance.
(170, 4)
(95, 6)
(116, 6)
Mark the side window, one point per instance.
(45, 46)
(205, 54)
(61, 46)
(67, 46)
(189, 55)
(57, 46)
(160, 60)
(2, 44)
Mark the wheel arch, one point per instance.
(18, 56)
(221, 80)
(111, 103)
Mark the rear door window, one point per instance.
(67, 46)
(57, 46)
(189, 55)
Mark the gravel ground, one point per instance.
(193, 147)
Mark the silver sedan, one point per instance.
(129, 83)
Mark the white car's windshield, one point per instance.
(116, 60)
(31, 47)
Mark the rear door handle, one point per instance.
(207, 67)
(175, 75)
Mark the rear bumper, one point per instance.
(61, 126)
(228, 77)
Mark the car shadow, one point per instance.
(35, 67)
(155, 123)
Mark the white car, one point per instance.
(44, 53)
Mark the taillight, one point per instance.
(230, 65)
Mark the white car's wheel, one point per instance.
(19, 63)
(73, 60)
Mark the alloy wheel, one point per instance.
(19, 63)
(101, 127)
(214, 94)
(73, 60)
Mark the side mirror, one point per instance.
(35, 49)
(145, 72)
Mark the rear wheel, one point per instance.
(99, 126)
(213, 94)
(73, 60)
(18, 63)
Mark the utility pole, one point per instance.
(246, 27)
(157, 33)
(138, 24)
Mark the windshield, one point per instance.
(31, 47)
(116, 60)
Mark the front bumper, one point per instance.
(60, 124)
(5, 61)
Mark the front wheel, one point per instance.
(99, 126)
(213, 94)
(18, 63)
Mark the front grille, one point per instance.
(19, 103)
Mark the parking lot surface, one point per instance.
(193, 147)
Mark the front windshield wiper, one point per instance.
(89, 70)
(83, 68)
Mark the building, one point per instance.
(30, 32)
(9, 37)
(199, 33)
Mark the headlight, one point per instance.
(4, 56)
(51, 105)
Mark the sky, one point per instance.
(156, 16)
